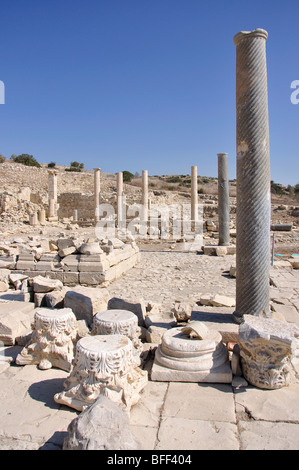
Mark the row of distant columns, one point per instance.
(253, 180)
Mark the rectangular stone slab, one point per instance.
(222, 374)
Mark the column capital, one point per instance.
(96, 169)
(259, 32)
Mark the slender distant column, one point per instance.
(194, 193)
(145, 194)
(97, 189)
(52, 193)
(223, 199)
(120, 192)
(253, 176)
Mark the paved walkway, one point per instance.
(169, 416)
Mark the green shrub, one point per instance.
(73, 168)
(26, 159)
(51, 165)
(127, 176)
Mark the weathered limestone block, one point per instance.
(15, 320)
(103, 365)
(45, 284)
(28, 264)
(85, 302)
(101, 426)
(93, 263)
(71, 278)
(47, 262)
(90, 278)
(63, 243)
(70, 263)
(4, 286)
(8, 262)
(121, 322)
(118, 255)
(192, 354)
(54, 335)
(117, 270)
(267, 347)
(138, 307)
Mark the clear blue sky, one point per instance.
(141, 84)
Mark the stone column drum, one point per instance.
(123, 322)
(253, 176)
(53, 340)
(97, 189)
(103, 365)
(223, 200)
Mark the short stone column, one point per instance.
(53, 340)
(223, 200)
(194, 194)
(52, 192)
(33, 219)
(145, 194)
(123, 322)
(103, 365)
(97, 189)
(42, 215)
(75, 215)
(253, 176)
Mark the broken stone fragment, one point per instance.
(67, 251)
(45, 284)
(90, 248)
(196, 329)
(101, 426)
(182, 311)
(222, 301)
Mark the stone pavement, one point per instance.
(169, 416)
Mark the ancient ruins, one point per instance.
(149, 307)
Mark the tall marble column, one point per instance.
(97, 189)
(223, 200)
(253, 176)
(145, 194)
(194, 194)
(52, 193)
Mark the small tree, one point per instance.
(51, 165)
(25, 159)
(75, 164)
(127, 176)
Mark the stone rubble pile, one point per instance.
(72, 261)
